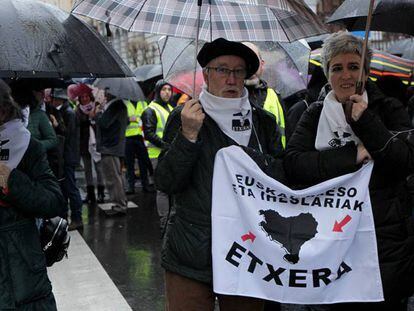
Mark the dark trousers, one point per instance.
(71, 192)
(135, 148)
(186, 294)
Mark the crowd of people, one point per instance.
(299, 143)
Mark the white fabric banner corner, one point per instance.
(309, 246)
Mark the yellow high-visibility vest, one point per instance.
(272, 104)
(162, 116)
(134, 128)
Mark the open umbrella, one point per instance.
(403, 48)
(40, 40)
(282, 21)
(388, 15)
(125, 88)
(146, 72)
(218, 18)
(286, 64)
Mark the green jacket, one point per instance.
(32, 192)
(41, 129)
(185, 171)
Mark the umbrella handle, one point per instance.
(196, 47)
(360, 83)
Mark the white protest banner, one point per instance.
(310, 246)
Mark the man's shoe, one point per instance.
(75, 225)
(116, 211)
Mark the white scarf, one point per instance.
(232, 115)
(26, 113)
(96, 156)
(333, 130)
(14, 140)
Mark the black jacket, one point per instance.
(185, 171)
(33, 192)
(111, 125)
(71, 150)
(393, 161)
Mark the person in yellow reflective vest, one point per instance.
(135, 147)
(154, 119)
(260, 95)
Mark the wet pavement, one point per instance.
(128, 247)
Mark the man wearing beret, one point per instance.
(222, 116)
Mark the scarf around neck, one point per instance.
(14, 140)
(333, 130)
(232, 115)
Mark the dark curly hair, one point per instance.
(9, 109)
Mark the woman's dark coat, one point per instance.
(393, 161)
(32, 192)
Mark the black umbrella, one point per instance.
(125, 88)
(403, 48)
(40, 40)
(146, 72)
(388, 15)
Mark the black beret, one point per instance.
(220, 47)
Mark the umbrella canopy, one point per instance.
(147, 72)
(218, 18)
(403, 48)
(40, 40)
(388, 15)
(125, 88)
(286, 64)
(382, 64)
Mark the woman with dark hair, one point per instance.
(28, 189)
(328, 142)
(28, 94)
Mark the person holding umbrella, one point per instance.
(331, 140)
(221, 117)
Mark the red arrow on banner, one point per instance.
(248, 236)
(339, 225)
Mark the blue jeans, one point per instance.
(71, 192)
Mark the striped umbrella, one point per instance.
(283, 20)
(382, 64)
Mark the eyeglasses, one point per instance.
(225, 72)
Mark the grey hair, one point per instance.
(343, 42)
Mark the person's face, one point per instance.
(84, 99)
(221, 84)
(39, 95)
(343, 75)
(165, 93)
(56, 102)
